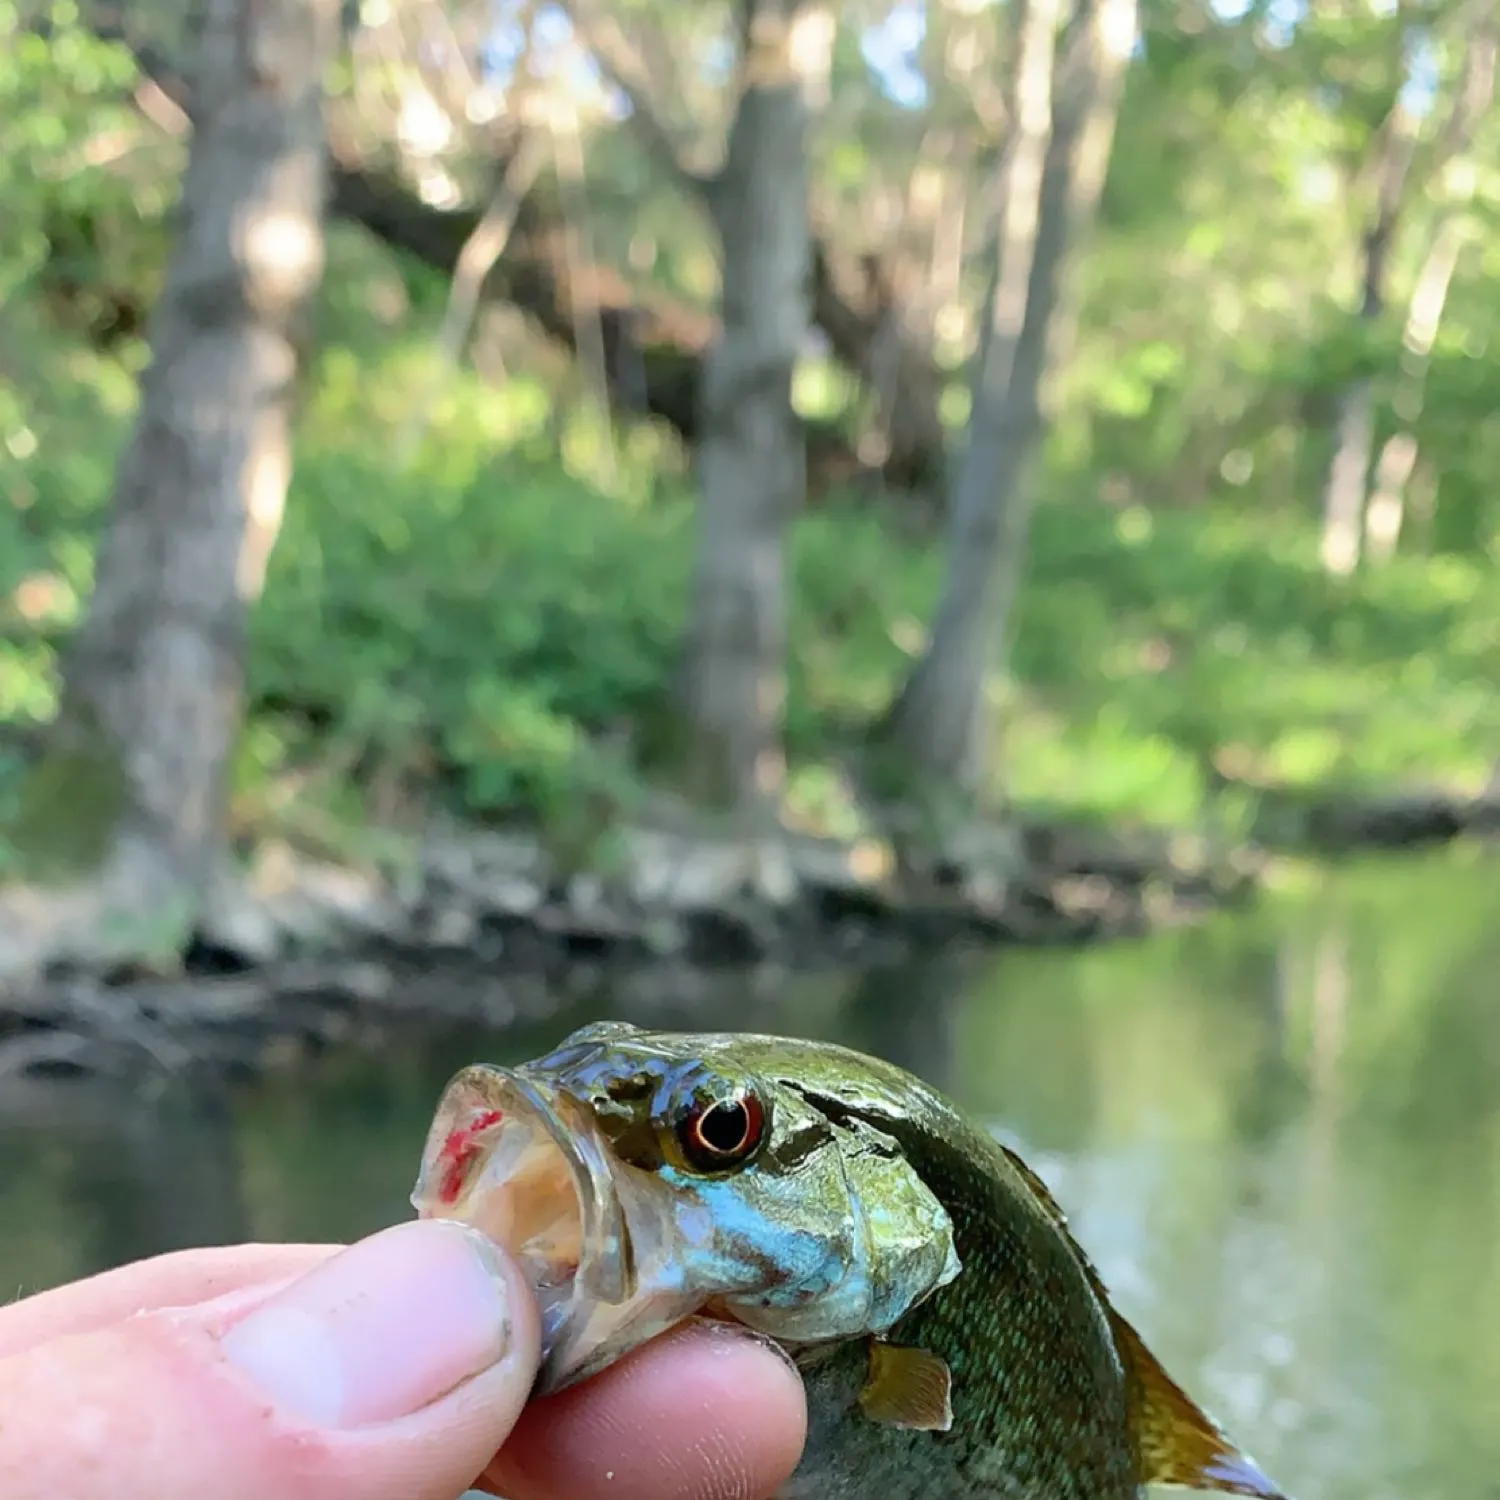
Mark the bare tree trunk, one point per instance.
(134, 782)
(639, 65)
(752, 456)
(1346, 488)
(1386, 512)
(1049, 184)
(1354, 425)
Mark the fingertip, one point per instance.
(708, 1412)
(363, 1377)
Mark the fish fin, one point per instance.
(1176, 1442)
(907, 1388)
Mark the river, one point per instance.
(1277, 1134)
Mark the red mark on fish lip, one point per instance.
(459, 1150)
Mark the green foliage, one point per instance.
(507, 622)
(66, 133)
(484, 628)
(490, 616)
(480, 592)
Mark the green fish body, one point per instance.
(954, 1340)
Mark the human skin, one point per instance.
(396, 1369)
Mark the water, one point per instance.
(1279, 1137)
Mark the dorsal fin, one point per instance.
(1177, 1443)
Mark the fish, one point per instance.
(953, 1337)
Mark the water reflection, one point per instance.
(168, 1179)
(909, 1012)
(1279, 1136)
(93, 1175)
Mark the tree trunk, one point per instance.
(1049, 188)
(1344, 488)
(1347, 486)
(1354, 426)
(751, 453)
(134, 782)
(1348, 471)
(1386, 512)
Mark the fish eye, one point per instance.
(721, 1133)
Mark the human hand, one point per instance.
(396, 1369)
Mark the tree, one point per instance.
(1395, 172)
(1398, 455)
(750, 449)
(751, 455)
(1048, 189)
(1354, 421)
(138, 760)
(852, 297)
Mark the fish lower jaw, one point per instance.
(597, 1241)
(528, 1201)
(556, 1276)
(553, 1277)
(500, 1160)
(525, 1199)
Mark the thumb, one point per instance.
(392, 1371)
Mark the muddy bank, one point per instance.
(487, 927)
(491, 928)
(1329, 822)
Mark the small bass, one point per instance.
(954, 1340)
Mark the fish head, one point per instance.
(640, 1178)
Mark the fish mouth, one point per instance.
(525, 1165)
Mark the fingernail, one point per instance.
(381, 1330)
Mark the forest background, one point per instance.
(889, 425)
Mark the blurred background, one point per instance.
(966, 527)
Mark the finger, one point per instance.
(175, 1280)
(709, 1412)
(391, 1371)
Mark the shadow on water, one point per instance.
(1278, 1135)
(95, 1174)
(909, 1012)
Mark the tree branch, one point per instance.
(1476, 88)
(662, 341)
(640, 79)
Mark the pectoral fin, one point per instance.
(907, 1388)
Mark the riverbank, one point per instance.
(488, 927)
(300, 947)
